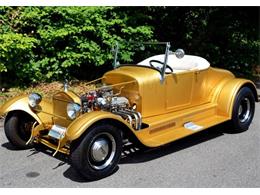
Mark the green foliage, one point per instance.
(15, 52)
(228, 37)
(50, 43)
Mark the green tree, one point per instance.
(228, 37)
(49, 43)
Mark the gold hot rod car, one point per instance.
(156, 101)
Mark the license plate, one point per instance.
(57, 132)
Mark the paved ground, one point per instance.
(208, 159)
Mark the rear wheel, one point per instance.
(98, 153)
(18, 127)
(243, 110)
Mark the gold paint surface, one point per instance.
(203, 97)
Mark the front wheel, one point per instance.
(98, 153)
(243, 110)
(18, 126)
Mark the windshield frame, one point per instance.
(162, 70)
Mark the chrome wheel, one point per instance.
(102, 151)
(244, 110)
(97, 154)
(99, 150)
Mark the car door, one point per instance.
(179, 90)
(200, 93)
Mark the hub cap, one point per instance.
(99, 149)
(244, 110)
(102, 151)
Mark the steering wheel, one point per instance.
(159, 62)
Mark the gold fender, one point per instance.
(227, 95)
(83, 122)
(20, 103)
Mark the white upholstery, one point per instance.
(188, 62)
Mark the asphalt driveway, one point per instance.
(211, 158)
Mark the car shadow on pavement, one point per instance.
(133, 154)
(9, 146)
(73, 175)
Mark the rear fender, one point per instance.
(228, 93)
(81, 124)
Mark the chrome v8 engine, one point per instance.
(105, 99)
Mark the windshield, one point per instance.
(141, 54)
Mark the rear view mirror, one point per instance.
(179, 53)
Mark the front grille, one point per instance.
(60, 102)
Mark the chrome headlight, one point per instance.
(34, 99)
(73, 110)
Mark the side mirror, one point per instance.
(179, 53)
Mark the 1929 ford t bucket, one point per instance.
(161, 99)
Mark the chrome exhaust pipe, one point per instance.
(124, 115)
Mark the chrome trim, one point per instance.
(133, 117)
(99, 150)
(95, 160)
(167, 51)
(115, 50)
(140, 120)
(34, 100)
(244, 110)
(179, 53)
(132, 114)
(124, 115)
(66, 85)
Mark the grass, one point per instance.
(45, 89)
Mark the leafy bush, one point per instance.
(228, 37)
(50, 43)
